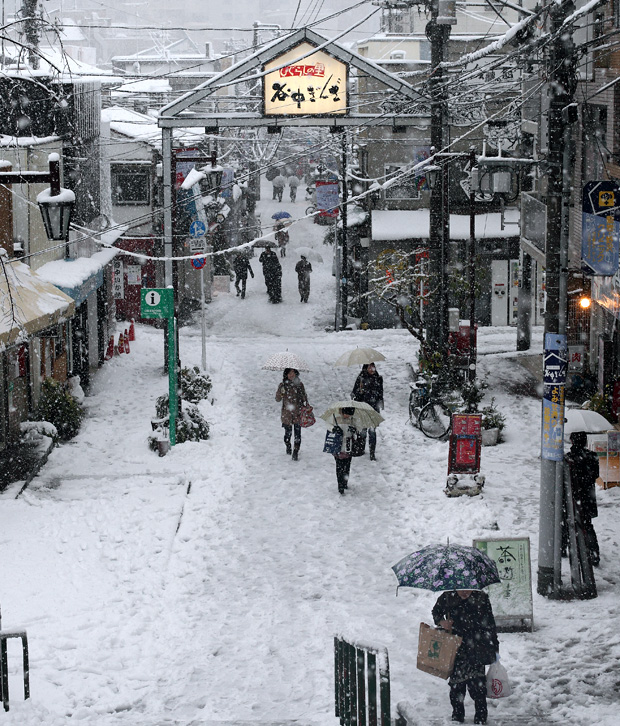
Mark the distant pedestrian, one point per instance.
(293, 396)
(279, 183)
(272, 271)
(584, 471)
(293, 183)
(369, 389)
(343, 422)
(468, 613)
(241, 266)
(282, 237)
(303, 269)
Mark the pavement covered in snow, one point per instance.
(208, 585)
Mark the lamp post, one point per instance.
(56, 204)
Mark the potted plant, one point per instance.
(493, 423)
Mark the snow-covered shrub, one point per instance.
(31, 430)
(195, 384)
(58, 406)
(191, 425)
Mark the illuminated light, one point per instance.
(585, 302)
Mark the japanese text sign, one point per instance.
(555, 361)
(600, 228)
(511, 598)
(314, 85)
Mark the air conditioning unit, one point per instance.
(398, 55)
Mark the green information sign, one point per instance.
(512, 597)
(156, 302)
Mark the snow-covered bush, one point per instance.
(191, 425)
(195, 384)
(58, 406)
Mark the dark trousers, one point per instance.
(343, 467)
(277, 193)
(288, 431)
(243, 282)
(303, 285)
(477, 688)
(293, 193)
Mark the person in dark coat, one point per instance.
(279, 182)
(369, 389)
(468, 613)
(293, 396)
(242, 266)
(344, 422)
(303, 269)
(282, 238)
(272, 270)
(584, 471)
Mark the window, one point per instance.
(131, 184)
(407, 187)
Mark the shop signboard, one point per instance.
(118, 279)
(304, 81)
(327, 198)
(511, 598)
(600, 228)
(555, 365)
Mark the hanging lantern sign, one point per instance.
(314, 85)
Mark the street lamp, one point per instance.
(213, 173)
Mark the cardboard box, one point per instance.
(437, 651)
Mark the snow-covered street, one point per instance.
(207, 585)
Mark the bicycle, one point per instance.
(312, 209)
(427, 411)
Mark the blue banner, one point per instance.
(600, 228)
(555, 366)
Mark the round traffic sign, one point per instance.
(199, 262)
(197, 228)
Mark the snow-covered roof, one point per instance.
(388, 225)
(144, 85)
(13, 141)
(140, 127)
(51, 61)
(73, 273)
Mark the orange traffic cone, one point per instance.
(132, 331)
(110, 351)
(126, 341)
(121, 344)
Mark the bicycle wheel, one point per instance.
(311, 210)
(414, 407)
(435, 420)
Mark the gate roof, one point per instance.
(180, 113)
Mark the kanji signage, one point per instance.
(118, 279)
(555, 365)
(600, 228)
(511, 598)
(305, 86)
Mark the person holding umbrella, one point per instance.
(279, 182)
(459, 572)
(292, 394)
(369, 388)
(468, 613)
(303, 269)
(282, 237)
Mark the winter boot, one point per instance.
(288, 448)
(372, 454)
(296, 453)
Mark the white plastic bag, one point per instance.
(498, 685)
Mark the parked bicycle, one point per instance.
(426, 409)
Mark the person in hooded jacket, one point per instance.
(272, 270)
(303, 269)
(292, 394)
(241, 266)
(369, 389)
(468, 613)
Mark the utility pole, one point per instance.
(438, 32)
(31, 30)
(560, 89)
(344, 293)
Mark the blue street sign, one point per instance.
(600, 228)
(197, 228)
(198, 262)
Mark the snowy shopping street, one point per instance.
(207, 585)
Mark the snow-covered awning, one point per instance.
(80, 277)
(28, 303)
(388, 225)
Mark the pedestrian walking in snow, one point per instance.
(293, 183)
(293, 396)
(369, 389)
(282, 237)
(303, 269)
(241, 266)
(272, 271)
(468, 613)
(584, 471)
(343, 421)
(279, 183)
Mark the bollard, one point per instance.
(4, 663)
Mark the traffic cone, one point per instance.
(132, 331)
(126, 341)
(110, 351)
(121, 344)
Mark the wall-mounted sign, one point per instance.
(600, 228)
(310, 86)
(118, 279)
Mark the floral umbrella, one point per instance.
(282, 361)
(446, 567)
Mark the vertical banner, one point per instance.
(555, 365)
(328, 198)
(118, 279)
(600, 228)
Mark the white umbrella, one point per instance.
(365, 416)
(280, 361)
(308, 253)
(359, 356)
(582, 419)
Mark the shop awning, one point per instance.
(79, 277)
(397, 224)
(28, 303)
